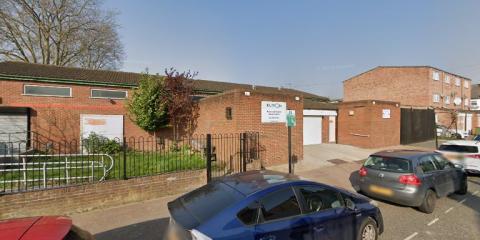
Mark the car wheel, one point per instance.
(464, 188)
(428, 204)
(368, 230)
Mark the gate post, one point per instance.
(124, 149)
(209, 157)
(243, 151)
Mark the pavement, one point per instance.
(455, 217)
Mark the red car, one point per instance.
(42, 228)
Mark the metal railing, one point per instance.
(66, 171)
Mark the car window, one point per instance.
(319, 199)
(389, 164)
(427, 165)
(249, 215)
(441, 162)
(279, 204)
(458, 148)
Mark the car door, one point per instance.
(329, 218)
(432, 175)
(450, 172)
(280, 217)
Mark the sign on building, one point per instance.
(110, 126)
(274, 112)
(291, 121)
(386, 113)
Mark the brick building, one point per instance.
(65, 104)
(416, 87)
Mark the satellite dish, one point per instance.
(457, 101)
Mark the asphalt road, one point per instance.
(455, 217)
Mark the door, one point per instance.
(448, 170)
(468, 124)
(329, 218)
(312, 130)
(437, 177)
(331, 129)
(280, 217)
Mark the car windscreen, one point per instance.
(389, 164)
(209, 200)
(458, 148)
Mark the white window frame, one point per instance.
(45, 95)
(447, 79)
(457, 82)
(447, 100)
(436, 98)
(436, 75)
(466, 84)
(107, 90)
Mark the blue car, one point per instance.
(268, 205)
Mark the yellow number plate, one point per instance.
(381, 190)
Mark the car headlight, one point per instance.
(196, 235)
(373, 202)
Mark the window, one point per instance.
(458, 148)
(457, 81)
(447, 79)
(51, 91)
(441, 162)
(280, 204)
(447, 99)
(466, 84)
(389, 164)
(110, 94)
(473, 103)
(228, 113)
(436, 76)
(319, 199)
(249, 215)
(436, 98)
(427, 165)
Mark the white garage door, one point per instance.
(312, 130)
(13, 133)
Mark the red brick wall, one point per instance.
(58, 118)
(361, 124)
(410, 86)
(247, 117)
(82, 198)
(325, 129)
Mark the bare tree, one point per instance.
(60, 32)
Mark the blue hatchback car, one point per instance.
(268, 205)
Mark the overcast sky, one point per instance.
(309, 45)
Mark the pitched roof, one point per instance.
(426, 66)
(51, 73)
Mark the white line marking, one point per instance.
(463, 200)
(448, 210)
(411, 236)
(433, 221)
(475, 193)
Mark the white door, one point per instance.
(312, 130)
(468, 125)
(331, 128)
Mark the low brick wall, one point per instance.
(64, 201)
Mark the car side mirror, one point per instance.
(350, 204)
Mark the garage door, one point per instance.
(312, 130)
(13, 133)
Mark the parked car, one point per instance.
(412, 178)
(465, 153)
(272, 205)
(42, 228)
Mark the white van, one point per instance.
(463, 152)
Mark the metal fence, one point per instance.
(47, 164)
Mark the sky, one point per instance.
(310, 45)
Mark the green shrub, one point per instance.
(96, 143)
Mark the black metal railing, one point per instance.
(48, 164)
